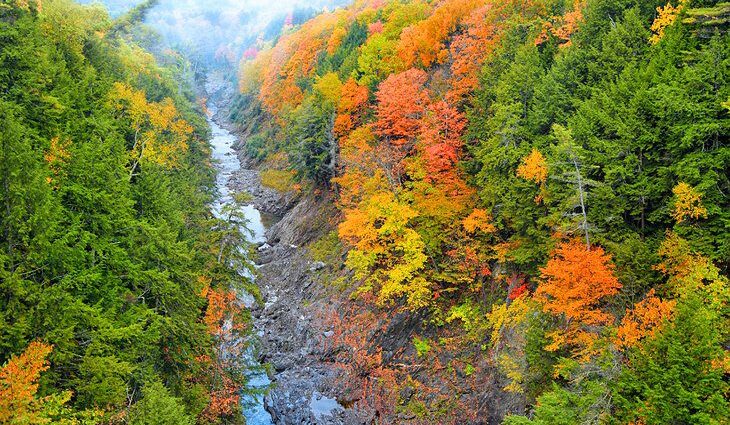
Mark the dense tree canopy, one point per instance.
(106, 260)
(513, 168)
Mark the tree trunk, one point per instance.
(333, 152)
(139, 158)
(8, 207)
(581, 194)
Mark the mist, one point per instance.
(222, 31)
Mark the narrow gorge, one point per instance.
(364, 212)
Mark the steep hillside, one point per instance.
(116, 283)
(533, 204)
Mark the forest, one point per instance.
(113, 292)
(541, 185)
(533, 192)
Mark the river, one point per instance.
(227, 163)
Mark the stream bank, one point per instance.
(290, 337)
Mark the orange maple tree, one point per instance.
(293, 58)
(575, 282)
(469, 50)
(402, 100)
(223, 323)
(562, 27)
(363, 375)
(19, 384)
(335, 40)
(644, 320)
(351, 107)
(424, 42)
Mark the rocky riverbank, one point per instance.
(291, 336)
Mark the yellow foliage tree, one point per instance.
(335, 40)
(691, 273)
(329, 87)
(56, 156)
(160, 135)
(533, 167)
(509, 323)
(252, 72)
(388, 255)
(688, 203)
(665, 17)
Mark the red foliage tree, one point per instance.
(375, 27)
(441, 131)
(402, 101)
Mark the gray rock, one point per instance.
(316, 266)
